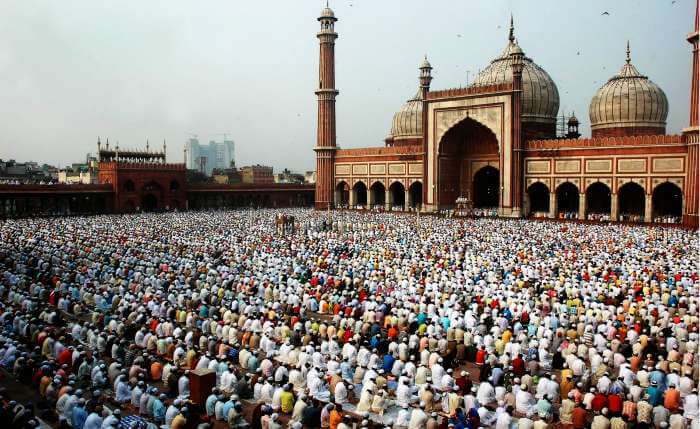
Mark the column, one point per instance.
(370, 198)
(613, 207)
(388, 199)
(407, 200)
(582, 206)
(351, 198)
(647, 208)
(552, 205)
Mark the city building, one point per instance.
(287, 176)
(226, 175)
(206, 158)
(494, 144)
(80, 173)
(15, 172)
(256, 174)
(310, 177)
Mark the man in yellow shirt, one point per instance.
(179, 421)
(287, 399)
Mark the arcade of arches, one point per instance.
(630, 203)
(396, 197)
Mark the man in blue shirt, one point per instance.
(79, 415)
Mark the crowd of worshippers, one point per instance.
(380, 320)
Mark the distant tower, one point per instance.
(325, 137)
(572, 127)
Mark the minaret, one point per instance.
(325, 137)
(692, 198)
(425, 77)
(516, 178)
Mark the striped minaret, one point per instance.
(325, 137)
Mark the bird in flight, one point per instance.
(605, 13)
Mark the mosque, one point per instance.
(494, 146)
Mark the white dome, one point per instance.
(540, 96)
(408, 121)
(628, 100)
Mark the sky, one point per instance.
(73, 70)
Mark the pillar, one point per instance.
(370, 198)
(388, 199)
(326, 93)
(613, 207)
(647, 208)
(407, 203)
(582, 206)
(552, 205)
(351, 198)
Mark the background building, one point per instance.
(287, 176)
(15, 172)
(227, 176)
(206, 158)
(84, 173)
(310, 177)
(256, 174)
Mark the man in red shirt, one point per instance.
(66, 356)
(615, 404)
(519, 366)
(481, 356)
(599, 402)
(579, 417)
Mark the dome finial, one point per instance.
(511, 37)
(628, 59)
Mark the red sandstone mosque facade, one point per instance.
(494, 145)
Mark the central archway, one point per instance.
(486, 188)
(149, 203)
(464, 149)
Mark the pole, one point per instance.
(330, 224)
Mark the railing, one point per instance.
(470, 90)
(606, 142)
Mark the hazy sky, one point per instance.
(72, 70)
